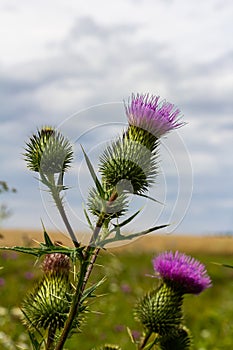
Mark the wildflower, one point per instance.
(119, 328)
(182, 272)
(125, 288)
(2, 282)
(145, 111)
(29, 275)
(160, 311)
(135, 334)
(129, 164)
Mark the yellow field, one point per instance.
(151, 243)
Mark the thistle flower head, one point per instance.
(56, 263)
(182, 272)
(99, 205)
(48, 304)
(160, 311)
(145, 111)
(48, 152)
(179, 340)
(128, 161)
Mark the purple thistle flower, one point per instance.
(125, 288)
(182, 272)
(29, 275)
(135, 334)
(146, 112)
(2, 282)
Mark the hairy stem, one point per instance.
(62, 212)
(55, 192)
(86, 268)
(96, 231)
(85, 271)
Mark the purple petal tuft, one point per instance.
(145, 112)
(182, 271)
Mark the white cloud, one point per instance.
(58, 58)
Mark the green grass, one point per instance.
(209, 315)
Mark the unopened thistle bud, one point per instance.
(160, 311)
(48, 152)
(101, 205)
(179, 340)
(48, 305)
(128, 161)
(56, 263)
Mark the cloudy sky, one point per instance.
(71, 63)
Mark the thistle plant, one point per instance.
(160, 311)
(128, 166)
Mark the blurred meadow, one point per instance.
(128, 270)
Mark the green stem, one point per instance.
(86, 268)
(101, 220)
(55, 192)
(85, 271)
(58, 202)
(152, 344)
(96, 230)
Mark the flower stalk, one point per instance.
(75, 305)
(55, 192)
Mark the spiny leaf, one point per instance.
(120, 237)
(47, 239)
(88, 292)
(73, 253)
(93, 174)
(224, 265)
(88, 219)
(130, 335)
(148, 197)
(125, 222)
(36, 345)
